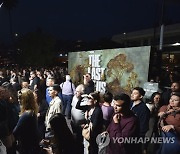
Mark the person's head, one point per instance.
(68, 78)
(50, 82)
(108, 97)
(87, 78)
(54, 90)
(24, 84)
(28, 101)
(79, 90)
(58, 123)
(39, 74)
(156, 97)
(1, 74)
(11, 91)
(32, 74)
(4, 94)
(175, 100)
(137, 94)
(121, 103)
(93, 99)
(175, 87)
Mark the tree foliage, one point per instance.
(37, 49)
(10, 4)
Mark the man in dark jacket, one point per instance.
(141, 111)
(88, 83)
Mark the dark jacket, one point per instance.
(166, 97)
(97, 124)
(26, 132)
(143, 114)
(89, 88)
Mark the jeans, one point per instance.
(67, 100)
(169, 147)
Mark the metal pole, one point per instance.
(161, 37)
(161, 26)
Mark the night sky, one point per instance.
(85, 19)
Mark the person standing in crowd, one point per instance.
(124, 124)
(107, 109)
(78, 117)
(88, 83)
(169, 125)
(155, 102)
(63, 141)
(94, 117)
(175, 87)
(42, 83)
(2, 78)
(68, 91)
(25, 74)
(13, 105)
(154, 106)
(55, 106)
(49, 83)
(26, 130)
(24, 84)
(14, 82)
(13, 114)
(8, 120)
(4, 129)
(42, 109)
(141, 111)
(34, 81)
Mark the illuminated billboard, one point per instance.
(116, 70)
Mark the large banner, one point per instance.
(116, 70)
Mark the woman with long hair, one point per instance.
(169, 125)
(94, 118)
(154, 106)
(4, 116)
(43, 107)
(63, 141)
(26, 130)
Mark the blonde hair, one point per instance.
(28, 101)
(80, 88)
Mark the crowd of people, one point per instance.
(37, 104)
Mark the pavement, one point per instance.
(68, 123)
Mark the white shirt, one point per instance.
(55, 106)
(77, 116)
(68, 88)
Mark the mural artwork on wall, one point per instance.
(116, 70)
